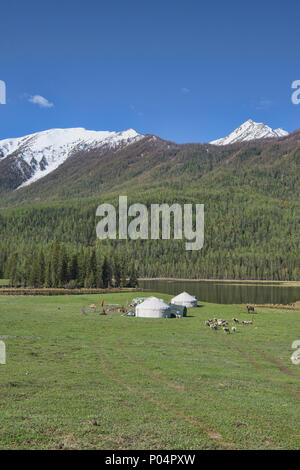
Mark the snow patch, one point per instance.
(45, 151)
(250, 130)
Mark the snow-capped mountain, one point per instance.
(27, 159)
(250, 130)
(37, 155)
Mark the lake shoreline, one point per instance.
(231, 281)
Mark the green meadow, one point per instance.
(75, 381)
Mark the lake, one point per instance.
(241, 292)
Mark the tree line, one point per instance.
(250, 233)
(59, 265)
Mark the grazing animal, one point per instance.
(207, 323)
(226, 330)
(235, 320)
(233, 329)
(213, 326)
(250, 308)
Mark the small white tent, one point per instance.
(185, 299)
(152, 308)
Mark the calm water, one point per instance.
(226, 293)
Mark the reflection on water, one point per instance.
(226, 293)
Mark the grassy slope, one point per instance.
(126, 383)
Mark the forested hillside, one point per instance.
(252, 212)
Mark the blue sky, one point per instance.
(187, 71)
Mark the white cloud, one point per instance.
(264, 104)
(185, 91)
(134, 110)
(40, 101)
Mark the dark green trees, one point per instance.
(59, 265)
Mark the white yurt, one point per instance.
(152, 308)
(185, 299)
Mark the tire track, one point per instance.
(181, 388)
(210, 433)
(150, 374)
(280, 366)
(260, 367)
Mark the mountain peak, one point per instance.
(37, 155)
(250, 130)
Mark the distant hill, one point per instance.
(250, 190)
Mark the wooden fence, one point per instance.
(62, 291)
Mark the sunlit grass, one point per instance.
(91, 381)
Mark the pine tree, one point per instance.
(42, 268)
(106, 273)
(73, 267)
(34, 272)
(62, 267)
(133, 281)
(117, 271)
(55, 259)
(48, 274)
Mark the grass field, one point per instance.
(109, 382)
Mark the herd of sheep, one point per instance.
(216, 323)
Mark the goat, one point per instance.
(235, 320)
(233, 329)
(226, 330)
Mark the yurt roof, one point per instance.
(154, 302)
(184, 296)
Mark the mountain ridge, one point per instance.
(250, 191)
(150, 163)
(37, 155)
(25, 160)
